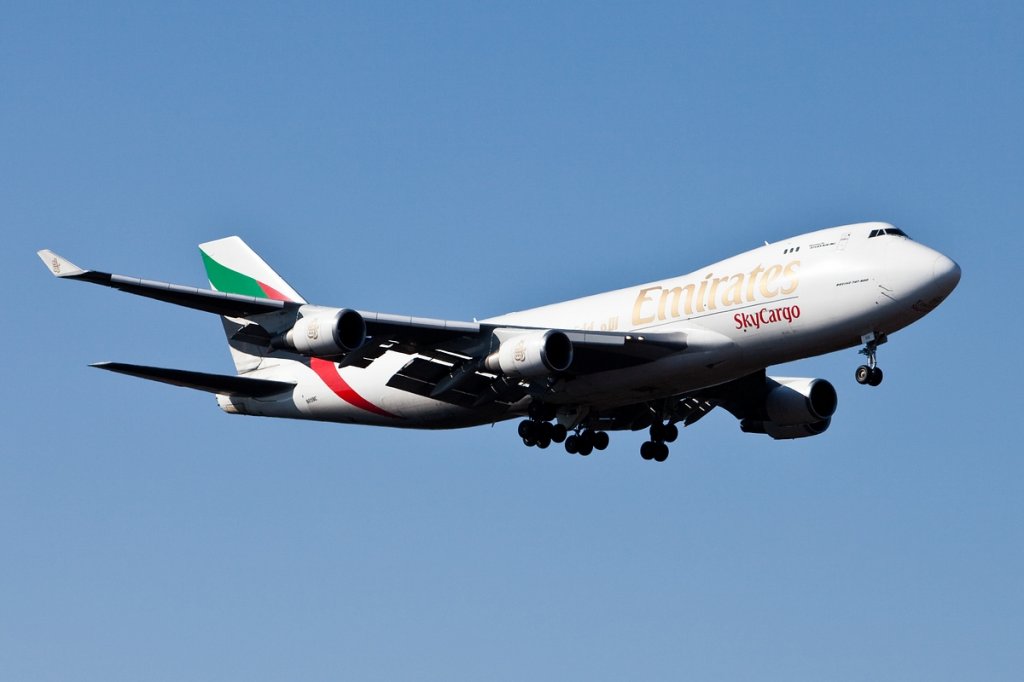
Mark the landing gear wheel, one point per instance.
(669, 433)
(647, 450)
(585, 442)
(660, 452)
(664, 432)
(558, 433)
(572, 445)
(529, 442)
(870, 373)
(600, 440)
(526, 429)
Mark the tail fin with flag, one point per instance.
(234, 268)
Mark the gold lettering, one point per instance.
(662, 312)
(734, 294)
(769, 276)
(700, 293)
(677, 294)
(750, 283)
(790, 272)
(643, 297)
(713, 294)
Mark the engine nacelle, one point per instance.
(797, 401)
(785, 432)
(326, 332)
(793, 408)
(531, 354)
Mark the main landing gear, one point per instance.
(586, 441)
(538, 430)
(541, 434)
(871, 373)
(656, 448)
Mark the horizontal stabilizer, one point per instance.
(201, 381)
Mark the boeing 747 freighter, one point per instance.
(647, 357)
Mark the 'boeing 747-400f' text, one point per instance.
(644, 357)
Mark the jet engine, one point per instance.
(785, 432)
(531, 354)
(326, 332)
(794, 408)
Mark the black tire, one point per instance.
(586, 448)
(543, 442)
(647, 449)
(863, 374)
(671, 432)
(526, 429)
(529, 442)
(876, 377)
(600, 440)
(572, 445)
(661, 452)
(558, 433)
(657, 431)
(545, 429)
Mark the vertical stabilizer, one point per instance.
(234, 268)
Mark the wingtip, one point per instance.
(58, 265)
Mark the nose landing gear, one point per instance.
(871, 373)
(872, 376)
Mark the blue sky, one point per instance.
(458, 160)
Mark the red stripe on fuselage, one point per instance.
(326, 370)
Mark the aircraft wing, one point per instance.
(234, 305)
(448, 355)
(407, 330)
(453, 369)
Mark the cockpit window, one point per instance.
(889, 230)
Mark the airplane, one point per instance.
(647, 357)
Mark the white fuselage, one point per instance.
(805, 296)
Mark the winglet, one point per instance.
(59, 266)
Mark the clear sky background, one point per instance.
(458, 160)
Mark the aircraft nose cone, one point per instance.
(946, 273)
